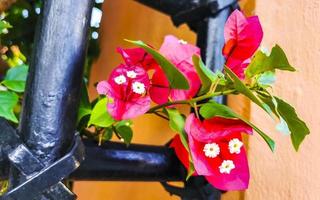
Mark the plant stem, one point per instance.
(162, 116)
(191, 101)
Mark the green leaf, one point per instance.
(107, 135)
(270, 101)
(8, 100)
(16, 77)
(207, 77)
(85, 106)
(125, 123)
(125, 132)
(242, 88)
(213, 108)
(176, 123)
(191, 170)
(175, 77)
(99, 115)
(4, 25)
(266, 79)
(263, 63)
(297, 127)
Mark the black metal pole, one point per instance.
(170, 7)
(51, 100)
(116, 162)
(210, 38)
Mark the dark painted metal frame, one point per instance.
(45, 149)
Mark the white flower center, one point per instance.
(138, 87)
(131, 74)
(235, 146)
(226, 167)
(183, 42)
(120, 79)
(211, 150)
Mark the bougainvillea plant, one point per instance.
(209, 139)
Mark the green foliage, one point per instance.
(243, 89)
(125, 131)
(176, 123)
(297, 127)
(207, 77)
(290, 123)
(212, 109)
(84, 106)
(8, 100)
(15, 78)
(263, 63)
(107, 134)
(4, 26)
(266, 79)
(175, 77)
(99, 115)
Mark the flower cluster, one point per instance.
(130, 87)
(209, 141)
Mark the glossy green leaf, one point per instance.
(213, 108)
(84, 106)
(15, 78)
(206, 76)
(243, 89)
(176, 123)
(175, 77)
(297, 127)
(107, 135)
(8, 100)
(263, 63)
(125, 132)
(99, 115)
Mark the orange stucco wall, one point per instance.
(286, 174)
(283, 175)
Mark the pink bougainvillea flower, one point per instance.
(180, 54)
(127, 86)
(242, 38)
(138, 57)
(217, 151)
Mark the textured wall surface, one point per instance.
(285, 174)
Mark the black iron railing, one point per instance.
(45, 149)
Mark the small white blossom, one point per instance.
(211, 150)
(120, 79)
(226, 167)
(25, 13)
(131, 74)
(38, 10)
(235, 146)
(183, 42)
(94, 35)
(138, 87)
